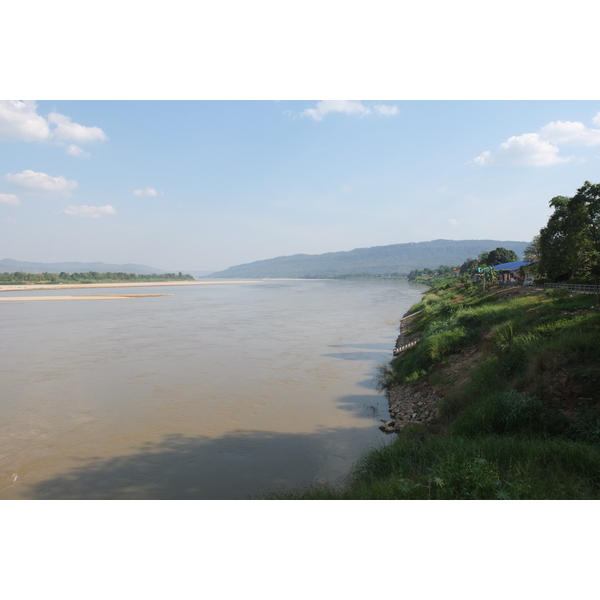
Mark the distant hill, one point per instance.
(397, 258)
(9, 265)
(197, 274)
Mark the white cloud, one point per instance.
(386, 110)
(571, 133)
(91, 212)
(485, 158)
(74, 150)
(67, 131)
(348, 107)
(9, 199)
(8, 220)
(19, 121)
(453, 222)
(41, 182)
(147, 192)
(527, 149)
(540, 149)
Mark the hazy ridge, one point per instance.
(395, 258)
(9, 265)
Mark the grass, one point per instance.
(523, 424)
(455, 467)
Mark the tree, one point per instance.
(500, 256)
(569, 245)
(586, 205)
(532, 255)
(532, 252)
(469, 266)
(557, 250)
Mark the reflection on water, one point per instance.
(215, 392)
(232, 466)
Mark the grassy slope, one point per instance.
(520, 418)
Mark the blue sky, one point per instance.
(203, 185)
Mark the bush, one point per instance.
(508, 413)
(585, 431)
(471, 479)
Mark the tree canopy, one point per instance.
(497, 257)
(569, 245)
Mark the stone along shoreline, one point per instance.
(408, 404)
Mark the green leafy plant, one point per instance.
(471, 479)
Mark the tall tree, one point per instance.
(532, 255)
(532, 252)
(569, 245)
(586, 204)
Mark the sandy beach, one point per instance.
(85, 286)
(103, 297)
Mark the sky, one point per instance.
(203, 185)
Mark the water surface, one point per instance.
(215, 392)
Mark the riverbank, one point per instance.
(498, 399)
(87, 297)
(82, 286)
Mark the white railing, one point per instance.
(413, 315)
(401, 348)
(572, 287)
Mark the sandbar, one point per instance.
(85, 286)
(90, 297)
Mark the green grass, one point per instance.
(454, 467)
(525, 424)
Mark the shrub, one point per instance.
(503, 334)
(470, 479)
(508, 413)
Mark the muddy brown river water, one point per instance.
(215, 392)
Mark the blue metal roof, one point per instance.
(512, 266)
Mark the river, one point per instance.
(215, 392)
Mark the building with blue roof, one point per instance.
(512, 266)
(510, 270)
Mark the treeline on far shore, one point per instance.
(426, 275)
(19, 278)
(358, 276)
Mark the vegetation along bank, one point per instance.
(496, 395)
(20, 278)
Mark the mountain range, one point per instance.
(384, 260)
(377, 260)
